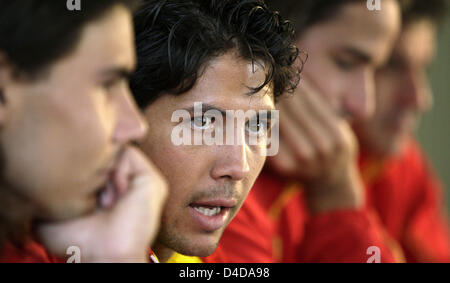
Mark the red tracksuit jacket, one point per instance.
(402, 218)
(31, 252)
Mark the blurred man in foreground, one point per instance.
(70, 181)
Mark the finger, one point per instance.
(295, 139)
(340, 134)
(139, 211)
(330, 122)
(127, 168)
(315, 95)
(108, 196)
(58, 236)
(323, 110)
(306, 119)
(121, 176)
(283, 163)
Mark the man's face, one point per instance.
(344, 52)
(217, 177)
(61, 133)
(403, 92)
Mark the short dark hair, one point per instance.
(432, 10)
(175, 39)
(306, 13)
(35, 33)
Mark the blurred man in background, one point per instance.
(308, 204)
(402, 186)
(401, 194)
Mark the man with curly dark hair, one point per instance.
(229, 55)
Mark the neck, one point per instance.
(162, 252)
(15, 217)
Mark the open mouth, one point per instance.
(208, 211)
(211, 215)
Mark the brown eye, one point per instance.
(345, 64)
(257, 127)
(202, 122)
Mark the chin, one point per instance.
(71, 210)
(203, 245)
(192, 244)
(388, 148)
(202, 250)
(399, 144)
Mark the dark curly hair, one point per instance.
(175, 39)
(33, 35)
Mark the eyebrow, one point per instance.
(251, 90)
(400, 59)
(358, 53)
(206, 107)
(118, 72)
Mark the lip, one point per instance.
(104, 175)
(227, 203)
(211, 223)
(107, 170)
(111, 164)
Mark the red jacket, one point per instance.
(402, 218)
(31, 252)
(406, 195)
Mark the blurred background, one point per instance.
(434, 132)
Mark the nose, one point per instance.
(359, 98)
(416, 91)
(131, 125)
(232, 163)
